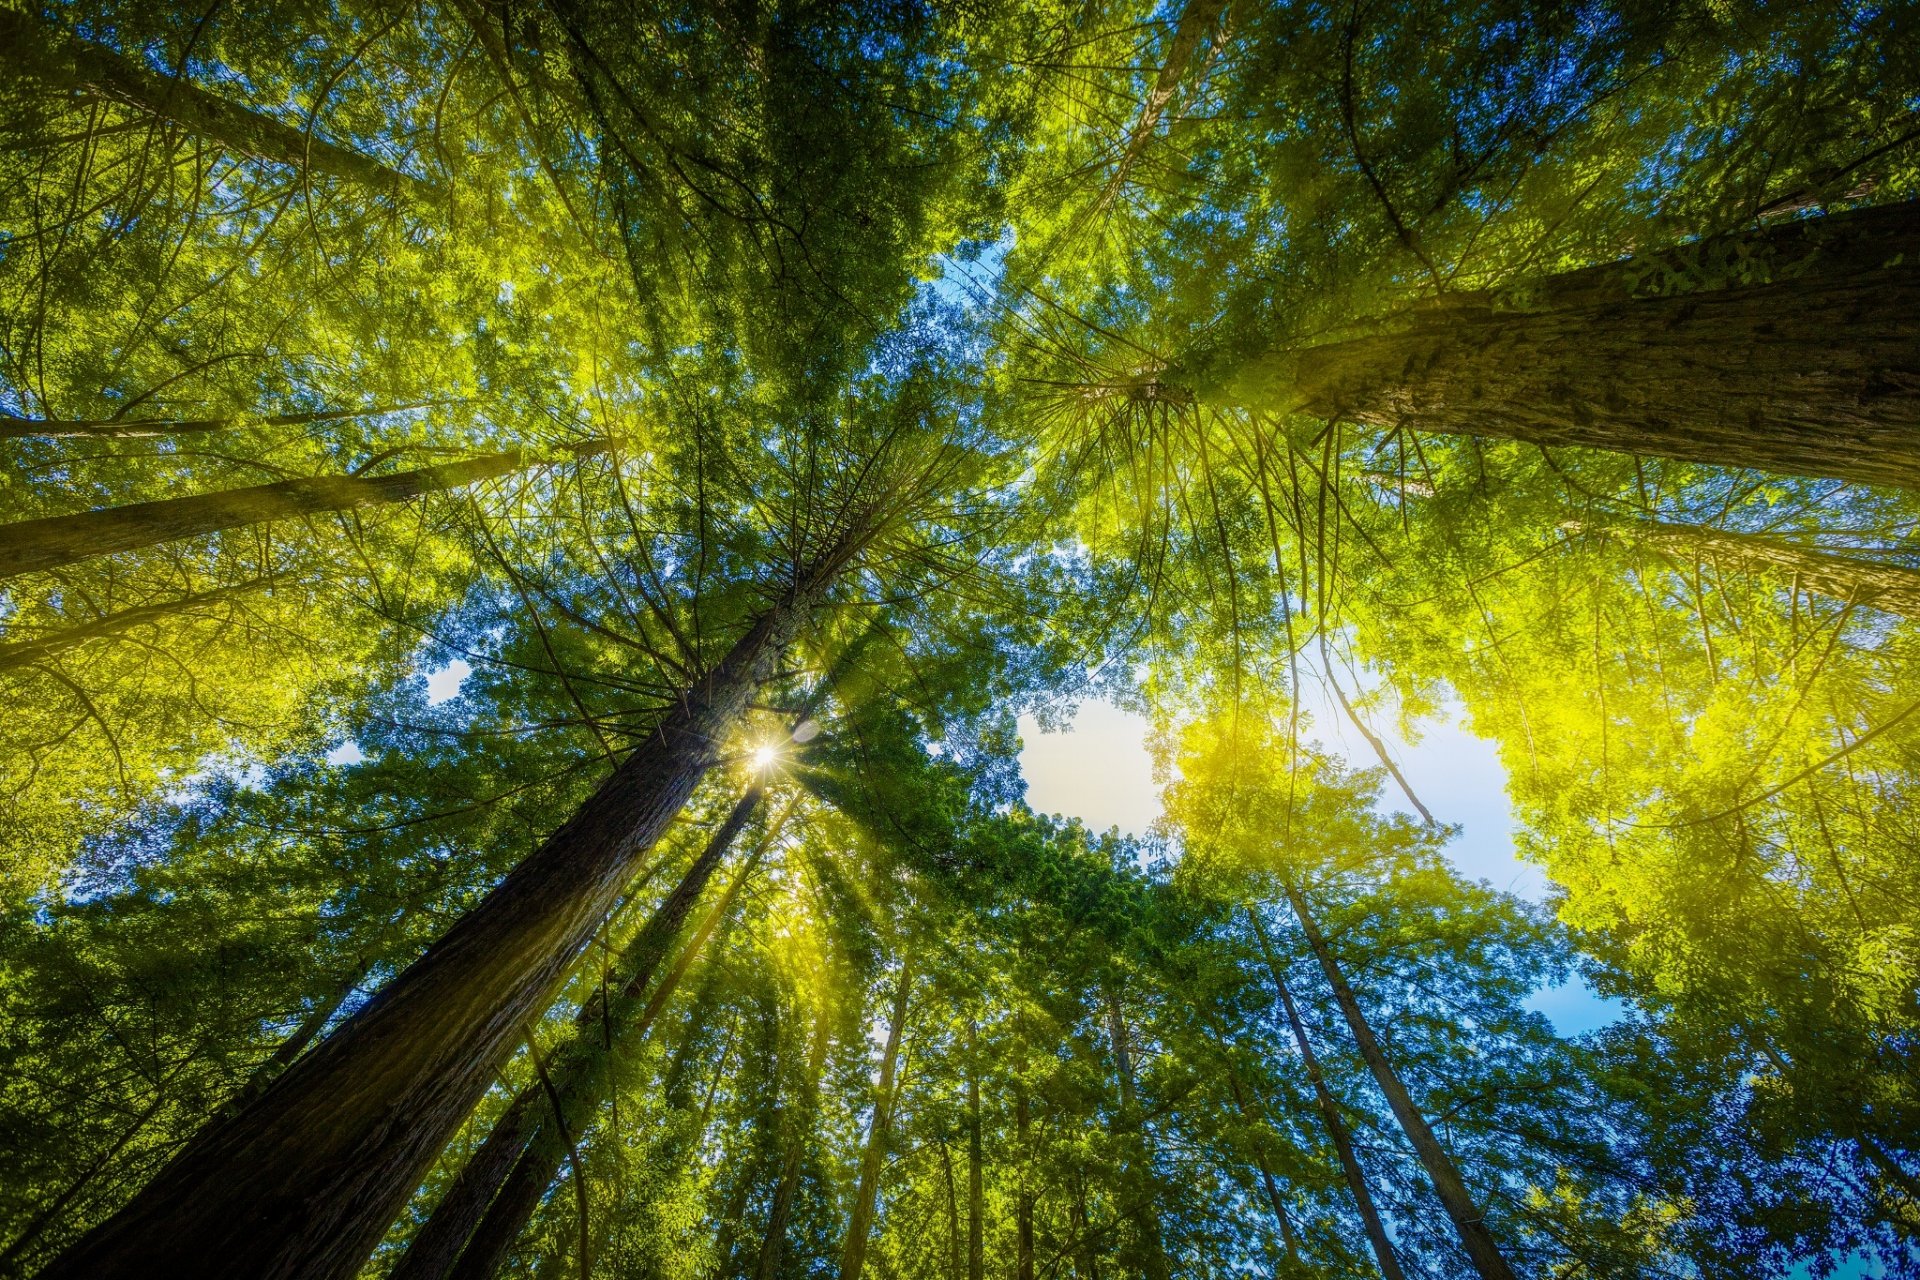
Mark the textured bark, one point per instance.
(12, 428)
(22, 653)
(1152, 1262)
(35, 50)
(773, 1245)
(1811, 367)
(306, 1180)
(540, 1156)
(1468, 1220)
(1892, 587)
(1023, 1202)
(1196, 19)
(854, 1256)
(976, 1170)
(1330, 1116)
(48, 543)
(441, 1238)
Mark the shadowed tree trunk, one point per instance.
(48, 543)
(524, 1180)
(1468, 1220)
(1153, 1261)
(1330, 1115)
(22, 653)
(12, 428)
(35, 50)
(799, 1131)
(1849, 578)
(854, 1256)
(440, 1240)
(976, 1172)
(1795, 349)
(1023, 1202)
(306, 1180)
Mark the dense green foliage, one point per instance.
(979, 307)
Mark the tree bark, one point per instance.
(1023, 1202)
(1153, 1260)
(1794, 349)
(976, 1175)
(854, 1256)
(48, 543)
(440, 1240)
(306, 1180)
(22, 653)
(12, 428)
(1851, 579)
(38, 51)
(1330, 1115)
(1468, 1220)
(774, 1244)
(545, 1147)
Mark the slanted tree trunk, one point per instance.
(307, 1179)
(21, 653)
(976, 1171)
(568, 1106)
(12, 428)
(1023, 1202)
(1468, 1220)
(1330, 1115)
(441, 1238)
(854, 1256)
(1144, 1212)
(1848, 578)
(799, 1132)
(48, 543)
(34, 50)
(1794, 349)
(1268, 1183)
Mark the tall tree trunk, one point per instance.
(976, 1173)
(1153, 1262)
(1086, 1250)
(1803, 361)
(1330, 1115)
(799, 1131)
(1023, 1202)
(1850, 578)
(21, 653)
(306, 1180)
(854, 1256)
(1268, 1183)
(38, 51)
(953, 1215)
(52, 541)
(441, 1238)
(546, 1145)
(1468, 1220)
(13, 428)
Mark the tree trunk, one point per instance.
(976, 1175)
(1086, 1252)
(38, 51)
(306, 1180)
(1281, 1217)
(1794, 349)
(1144, 1212)
(1466, 1216)
(1330, 1115)
(854, 1256)
(800, 1126)
(1849, 578)
(545, 1145)
(48, 543)
(953, 1215)
(21, 653)
(465, 1202)
(12, 428)
(1023, 1202)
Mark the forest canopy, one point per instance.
(765, 407)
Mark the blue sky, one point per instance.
(1100, 772)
